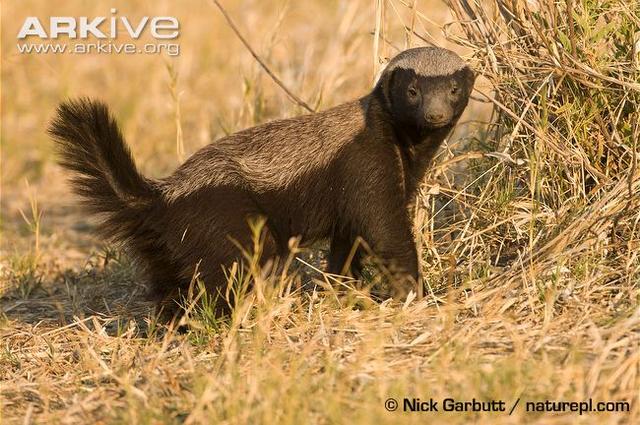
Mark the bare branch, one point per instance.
(264, 66)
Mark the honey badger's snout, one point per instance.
(443, 103)
(438, 113)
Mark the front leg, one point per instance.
(393, 244)
(378, 212)
(382, 221)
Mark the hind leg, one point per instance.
(344, 255)
(226, 275)
(209, 230)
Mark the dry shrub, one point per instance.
(551, 190)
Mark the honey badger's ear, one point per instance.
(471, 76)
(385, 82)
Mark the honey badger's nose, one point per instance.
(435, 116)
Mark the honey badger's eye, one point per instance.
(412, 92)
(454, 89)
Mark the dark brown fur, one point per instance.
(351, 171)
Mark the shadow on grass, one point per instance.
(107, 287)
(43, 295)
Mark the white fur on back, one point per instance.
(428, 61)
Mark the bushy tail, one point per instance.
(104, 174)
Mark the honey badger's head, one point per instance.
(425, 88)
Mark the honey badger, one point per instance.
(346, 173)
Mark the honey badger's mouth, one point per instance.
(443, 123)
(437, 124)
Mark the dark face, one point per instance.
(421, 104)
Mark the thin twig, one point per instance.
(264, 66)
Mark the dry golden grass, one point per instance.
(529, 226)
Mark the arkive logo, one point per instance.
(99, 35)
(100, 27)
